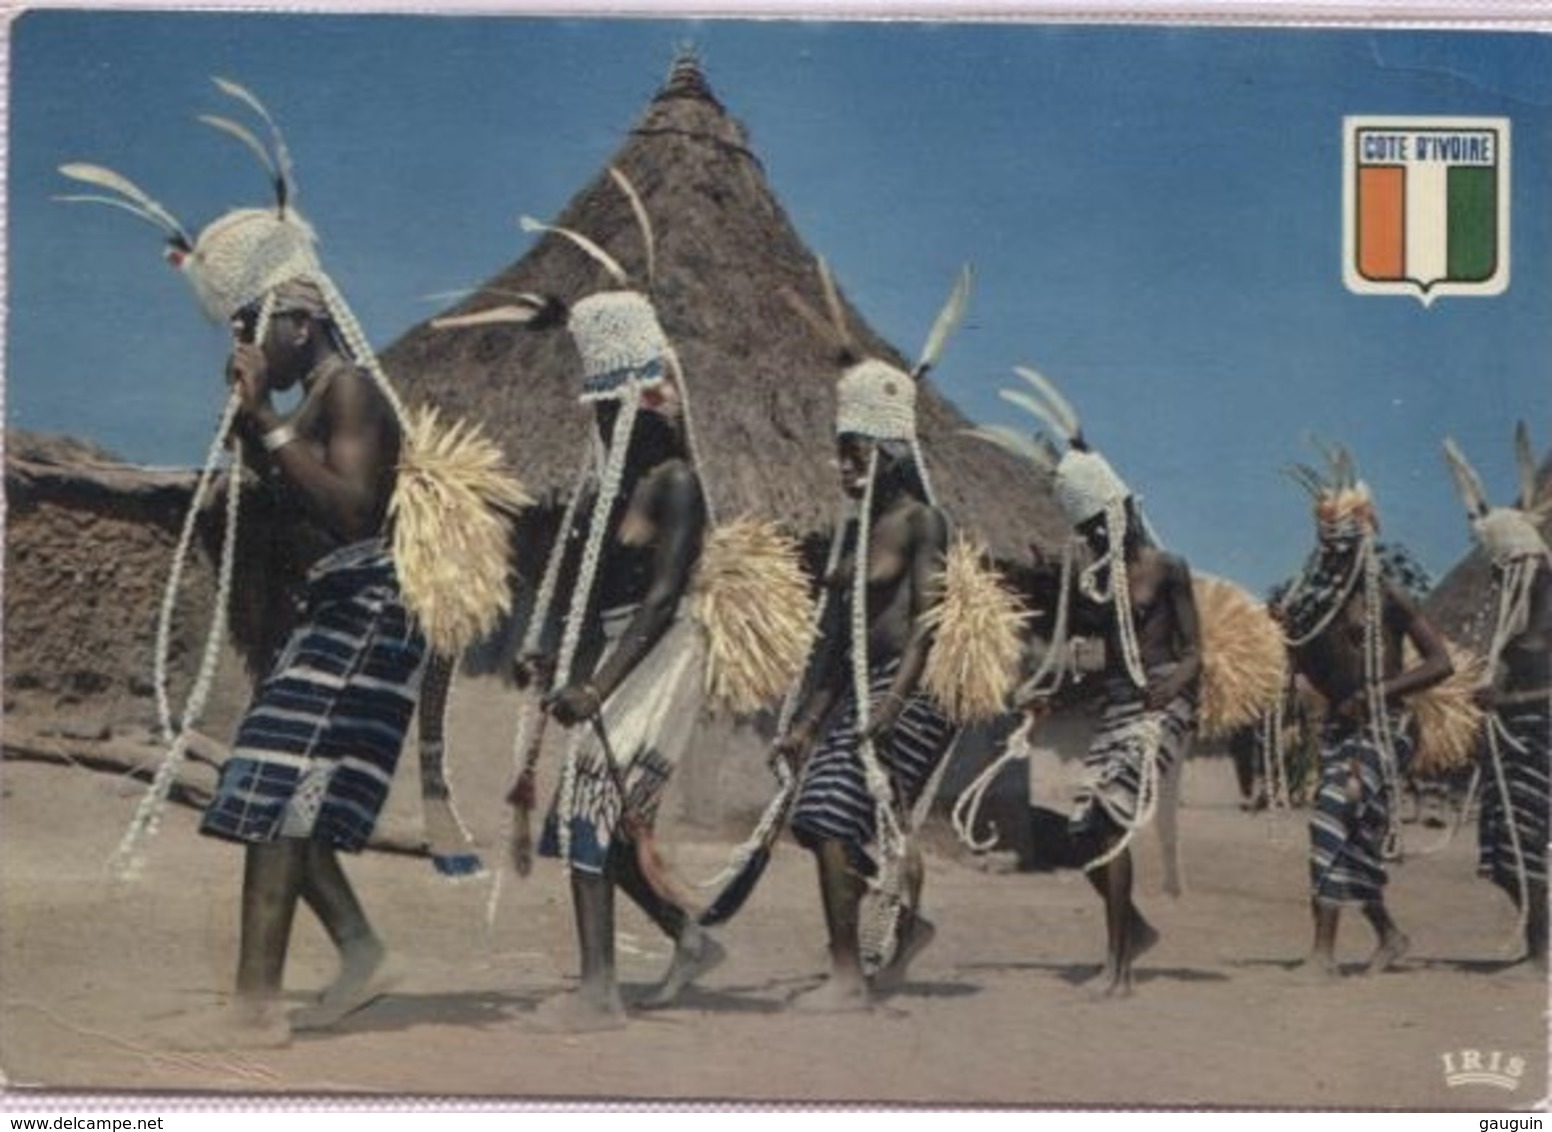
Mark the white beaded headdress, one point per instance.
(1086, 488)
(1507, 534)
(626, 357)
(248, 257)
(876, 399)
(1511, 536)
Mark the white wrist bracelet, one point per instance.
(278, 437)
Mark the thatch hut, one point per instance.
(761, 383)
(761, 380)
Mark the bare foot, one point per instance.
(1388, 953)
(587, 1010)
(914, 940)
(1318, 970)
(836, 995)
(239, 1025)
(365, 976)
(1144, 936)
(1111, 984)
(694, 954)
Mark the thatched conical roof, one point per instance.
(762, 382)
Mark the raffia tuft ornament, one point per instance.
(747, 596)
(1449, 720)
(752, 597)
(245, 258)
(1244, 663)
(973, 665)
(452, 516)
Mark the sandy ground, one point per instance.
(95, 978)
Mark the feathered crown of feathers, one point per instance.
(1506, 533)
(241, 257)
(873, 397)
(1344, 505)
(616, 331)
(1085, 484)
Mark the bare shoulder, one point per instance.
(353, 395)
(674, 482)
(929, 525)
(1169, 567)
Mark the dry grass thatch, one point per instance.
(1449, 722)
(751, 598)
(973, 665)
(761, 380)
(453, 509)
(1244, 662)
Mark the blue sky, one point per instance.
(1153, 215)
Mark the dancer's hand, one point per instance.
(793, 747)
(883, 717)
(1485, 697)
(1159, 693)
(1035, 710)
(1355, 707)
(247, 372)
(575, 703)
(534, 669)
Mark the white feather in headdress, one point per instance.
(944, 325)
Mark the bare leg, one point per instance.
(1169, 826)
(362, 977)
(1116, 878)
(841, 892)
(1322, 958)
(1142, 936)
(1536, 925)
(695, 951)
(915, 931)
(1391, 943)
(271, 885)
(596, 1003)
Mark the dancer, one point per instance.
(1345, 620)
(1513, 828)
(315, 754)
(1141, 601)
(870, 733)
(615, 645)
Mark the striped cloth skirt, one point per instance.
(316, 752)
(834, 803)
(1347, 836)
(1116, 764)
(649, 720)
(1524, 756)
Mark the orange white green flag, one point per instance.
(1426, 206)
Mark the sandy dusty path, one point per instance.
(93, 978)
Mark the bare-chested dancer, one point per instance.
(612, 640)
(315, 754)
(892, 561)
(1345, 622)
(1146, 723)
(1139, 600)
(306, 778)
(1513, 828)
